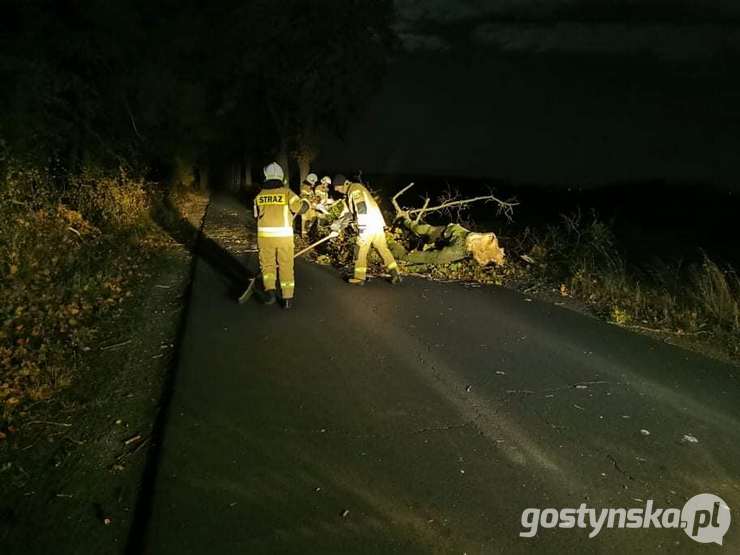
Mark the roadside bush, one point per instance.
(65, 265)
(119, 202)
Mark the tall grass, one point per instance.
(583, 256)
(717, 292)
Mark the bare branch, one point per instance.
(399, 211)
(450, 200)
(426, 203)
(504, 207)
(131, 117)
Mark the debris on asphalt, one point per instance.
(500, 373)
(345, 512)
(688, 438)
(132, 439)
(645, 432)
(115, 345)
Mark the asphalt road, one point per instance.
(424, 418)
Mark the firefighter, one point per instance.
(274, 207)
(307, 193)
(322, 200)
(362, 208)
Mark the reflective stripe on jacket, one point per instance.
(274, 209)
(364, 208)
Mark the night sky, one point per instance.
(557, 92)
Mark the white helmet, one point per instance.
(273, 171)
(312, 178)
(326, 180)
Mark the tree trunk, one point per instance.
(236, 184)
(304, 166)
(202, 177)
(282, 159)
(247, 163)
(450, 243)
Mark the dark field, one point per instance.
(654, 222)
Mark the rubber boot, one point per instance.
(356, 281)
(269, 297)
(287, 304)
(395, 276)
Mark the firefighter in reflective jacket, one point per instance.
(371, 226)
(274, 208)
(307, 192)
(322, 201)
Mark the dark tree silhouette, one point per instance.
(131, 82)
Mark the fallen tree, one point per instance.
(444, 244)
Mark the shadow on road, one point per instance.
(203, 248)
(200, 245)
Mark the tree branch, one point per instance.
(505, 207)
(399, 211)
(421, 213)
(131, 117)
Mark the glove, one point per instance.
(341, 223)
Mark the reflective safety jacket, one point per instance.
(306, 190)
(322, 196)
(365, 210)
(274, 207)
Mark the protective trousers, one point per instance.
(368, 239)
(276, 258)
